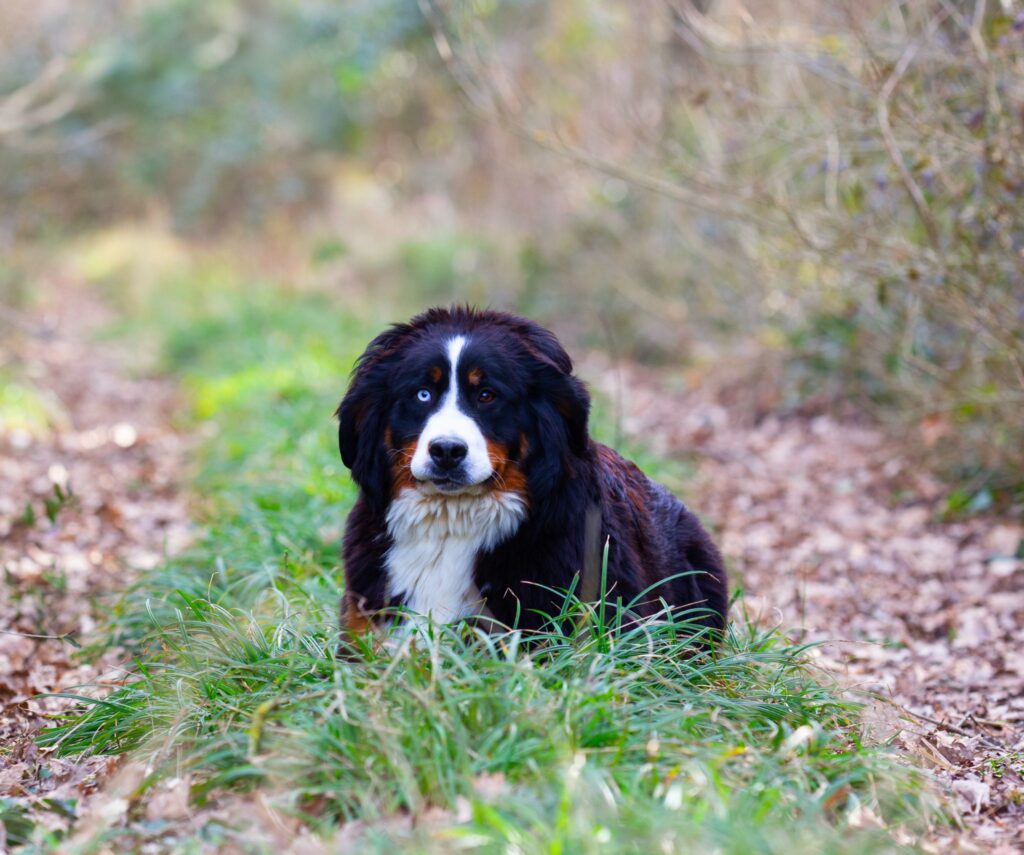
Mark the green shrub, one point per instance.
(214, 110)
(846, 184)
(602, 738)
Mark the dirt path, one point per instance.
(111, 447)
(831, 532)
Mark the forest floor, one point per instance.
(826, 528)
(839, 537)
(88, 500)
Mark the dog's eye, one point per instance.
(424, 395)
(485, 396)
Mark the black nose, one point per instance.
(447, 453)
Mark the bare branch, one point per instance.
(889, 138)
(47, 98)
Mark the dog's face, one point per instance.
(459, 402)
(457, 419)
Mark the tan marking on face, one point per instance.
(401, 468)
(507, 476)
(475, 376)
(436, 373)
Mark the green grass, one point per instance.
(600, 739)
(26, 409)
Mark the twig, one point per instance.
(952, 728)
(66, 637)
(18, 101)
(889, 138)
(699, 197)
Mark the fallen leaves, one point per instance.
(85, 502)
(832, 534)
(828, 530)
(975, 794)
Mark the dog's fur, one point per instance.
(516, 519)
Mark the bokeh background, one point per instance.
(816, 204)
(785, 243)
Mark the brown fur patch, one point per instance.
(475, 376)
(507, 474)
(436, 374)
(356, 620)
(401, 467)
(626, 474)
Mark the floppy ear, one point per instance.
(542, 344)
(556, 384)
(571, 400)
(362, 416)
(561, 409)
(348, 413)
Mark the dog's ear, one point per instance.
(554, 382)
(571, 400)
(542, 343)
(362, 415)
(560, 405)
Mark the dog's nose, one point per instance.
(447, 453)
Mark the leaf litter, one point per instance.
(827, 528)
(88, 498)
(834, 533)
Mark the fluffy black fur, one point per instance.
(540, 423)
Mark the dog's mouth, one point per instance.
(450, 486)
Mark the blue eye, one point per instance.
(424, 395)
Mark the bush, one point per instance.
(844, 180)
(838, 182)
(213, 110)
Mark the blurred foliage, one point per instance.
(214, 109)
(843, 181)
(25, 409)
(832, 187)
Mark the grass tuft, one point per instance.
(603, 735)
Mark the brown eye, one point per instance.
(485, 396)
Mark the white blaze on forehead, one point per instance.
(450, 422)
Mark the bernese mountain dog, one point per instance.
(482, 493)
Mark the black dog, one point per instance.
(482, 492)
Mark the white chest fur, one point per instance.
(435, 541)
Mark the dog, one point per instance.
(481, 492)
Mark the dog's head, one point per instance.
(462, 401)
